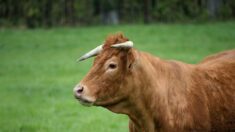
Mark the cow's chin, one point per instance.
(85, 102)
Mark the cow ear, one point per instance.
(130, 58)
(130, 65)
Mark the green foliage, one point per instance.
(47, 13)
(38, 71)
(178, 10)
(227, 10)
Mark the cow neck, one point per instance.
(150, 91)
(155, 76)
(140, 101)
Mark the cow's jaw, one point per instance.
(110, 102)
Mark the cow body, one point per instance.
(163, 95)
(185, 97)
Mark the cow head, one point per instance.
(107, 81)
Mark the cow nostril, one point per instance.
(80, 89)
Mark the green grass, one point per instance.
(38, 71)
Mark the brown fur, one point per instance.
(161, 95)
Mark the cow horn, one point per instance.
(127, 44)
(91, 53)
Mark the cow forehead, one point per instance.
(105, 55)
(113, 59)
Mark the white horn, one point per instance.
(91, 53)
(127, 44)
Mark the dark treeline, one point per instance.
(47, 13)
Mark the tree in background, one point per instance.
(107, 10)
(47, 13)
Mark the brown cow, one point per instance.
(161, 95)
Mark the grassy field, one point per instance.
(38, 71)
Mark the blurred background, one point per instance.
(40, 41)
(48, 13)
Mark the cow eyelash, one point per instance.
(112, 66)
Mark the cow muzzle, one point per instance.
(80, 93)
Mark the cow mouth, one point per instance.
(84, 102)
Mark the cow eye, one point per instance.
(112, 66)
